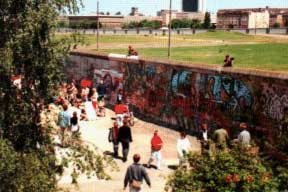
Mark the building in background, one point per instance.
(135, 12)
(164, 14)
(252, 18)
(107, 21)
(194, 6)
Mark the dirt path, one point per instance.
(96, 132)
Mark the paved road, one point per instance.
(96, 132)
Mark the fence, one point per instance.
(276, 31)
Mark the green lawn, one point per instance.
(249, 51)
(140, 39)
(261, 56)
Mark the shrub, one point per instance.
(25, 172)
(234, 171)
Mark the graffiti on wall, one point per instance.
(185, 97)
(230, 94)
(274, 101)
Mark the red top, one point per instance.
(156, 143)
(120, 109)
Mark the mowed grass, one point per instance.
(161, 40)
(270, 56)
(249, 51)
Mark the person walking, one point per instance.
(135, 174)
(183, 147)
(114, 138)
(125, 138)
(244, 136)
(156, 146)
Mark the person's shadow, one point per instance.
(173, 167)
(149, 167)
(111, 154)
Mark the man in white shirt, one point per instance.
(244, 136)
(183, 147)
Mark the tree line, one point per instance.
(153, 24)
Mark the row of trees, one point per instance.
(142, 24)
(79, 25)
(192, 23)
(176, 24)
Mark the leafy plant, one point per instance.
(30, 53)
(237, 170)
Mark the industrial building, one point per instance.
(252, 18)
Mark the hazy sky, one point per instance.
(150, 7)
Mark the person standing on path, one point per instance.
(244, 136)
(101, 90)
(183, 147)
(135, 174)
(63, 121)
(125, 138)
(220, 137)
(156, 146)
(114, 138)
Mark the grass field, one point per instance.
(249, 51)
(215, 36)
(260, 56)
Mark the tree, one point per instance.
(207, 21)
(29, 51)
(276, 25)
(118, 13)
(62, 24)
(107, 13)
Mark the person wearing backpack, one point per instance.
(135, 174)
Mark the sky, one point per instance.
(150, 7)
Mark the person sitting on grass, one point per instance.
(132, 51)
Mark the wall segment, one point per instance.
(183, 95)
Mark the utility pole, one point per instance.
(169, 29)
(97, 25)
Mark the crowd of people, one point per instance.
(80, 102)
(84, 103)
(221, 139)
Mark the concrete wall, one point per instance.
(258, 20)
(183, 95)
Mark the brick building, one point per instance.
(107, 21)
(252, 18)
(164, 14)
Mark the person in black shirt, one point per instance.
(125, 138)
(101, 90)
(74, 123)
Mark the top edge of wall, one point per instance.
(195, 66)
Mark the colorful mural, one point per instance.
(185, 97)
